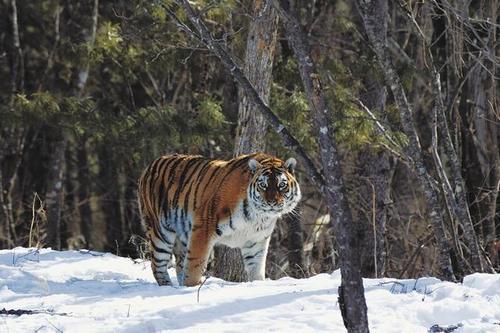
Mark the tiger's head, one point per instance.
(273, 189)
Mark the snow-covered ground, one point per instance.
(74, 291)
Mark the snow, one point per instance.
(82, 291)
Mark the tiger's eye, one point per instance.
(283, 186)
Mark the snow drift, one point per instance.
(82, 291)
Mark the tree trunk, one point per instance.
(296, 261)
(5, 215)
(484, 141)
(273, 259)
(84, 194)
(375, 190)
(54, 199)
(351, 292)
(251, 130)
(372, 12)
(12, 144)
(133, 230)
(110, 198)
(375, 174)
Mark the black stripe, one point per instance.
(233, 165)
(154, 166)
(209, 181)
(162, 265)
(153, 175)
(161, 195)
(249, 247)
(180, 185)
(171, 177)
(185, 234)
(192, 182)
(245, 209)
(237, 164)
(199, 180)
(183, 243)
(159, 234)
(158, 249)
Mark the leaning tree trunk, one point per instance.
(251, 130)
(352, 299)
(351, 292)
(372, 11)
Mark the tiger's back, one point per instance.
(204, 202)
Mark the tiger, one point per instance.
(203, 202)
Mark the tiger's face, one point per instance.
(273, 189)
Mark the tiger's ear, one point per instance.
(290, 164)
(253, 165)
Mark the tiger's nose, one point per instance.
(276, 201)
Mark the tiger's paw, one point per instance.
(163, 282)
(188, 282)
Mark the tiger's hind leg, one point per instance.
(161, 248)
(180, 254)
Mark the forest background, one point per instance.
(91, 92)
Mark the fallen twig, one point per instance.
(20, 312)
(198, 292)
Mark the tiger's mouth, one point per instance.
(276, 208)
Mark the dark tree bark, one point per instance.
(295, 237)
(483, 137)
(54, 198)
(12, 138)
(454, 190)
(133, 230)
(11, 153)
(109, 193)
(375, 170)
(351, 292)
(372, 11)
(485, 130)
(17, 60)
(84, 194)
(259, 56)
(375, 174)
(274, 259)
(260, 49)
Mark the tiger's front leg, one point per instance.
(254, 258)
(197, 256)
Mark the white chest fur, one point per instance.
(241, 229)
